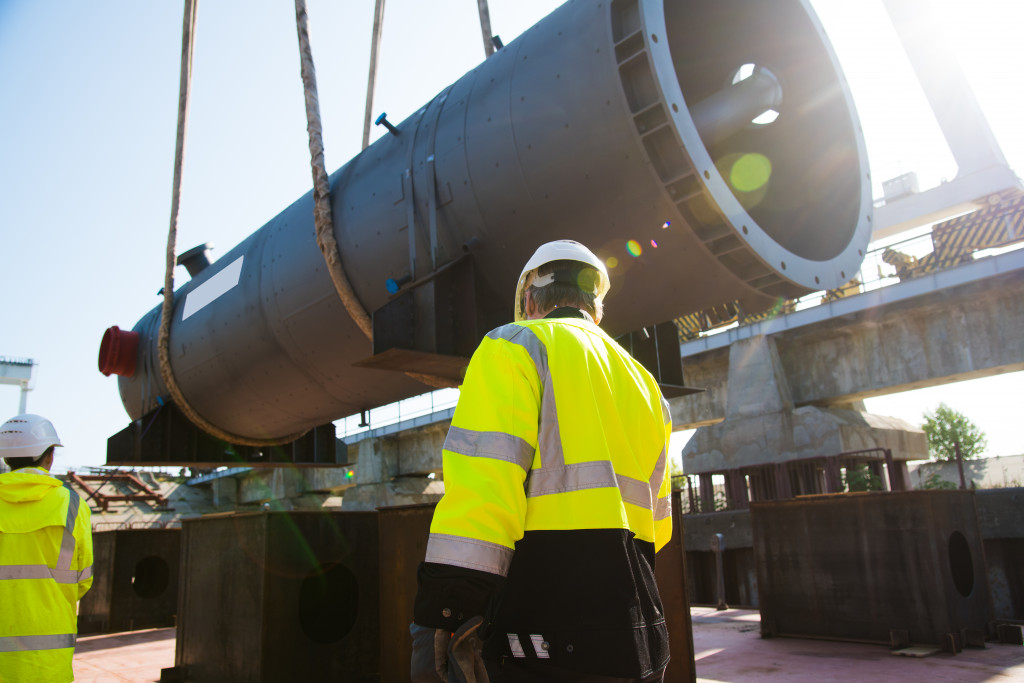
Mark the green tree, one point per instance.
(945, 427)
(860, 478)
(935, 481)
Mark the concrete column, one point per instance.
(783, 489)
(763, 427)
(398, 469)
(707, 493)
(225, 492)
(736, 490)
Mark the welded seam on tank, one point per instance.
(433, 239)
(263, 277)
(410, 200)
(465, 124)
(511, 123)
(465, 137)
(281, 332)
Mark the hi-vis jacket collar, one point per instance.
(569, 312)
(26, 484)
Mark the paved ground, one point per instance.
(135, 657)
(728, 648)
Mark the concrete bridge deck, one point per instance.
(962, 323)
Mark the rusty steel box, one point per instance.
(135, 581)
(1001, 514)
(896, 568)
(670, 573)
(403, 532)
(280, 596)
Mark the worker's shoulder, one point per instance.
(545, 330)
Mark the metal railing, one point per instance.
(394, 413)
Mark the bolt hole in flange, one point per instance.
(151, 577)
(961, 564)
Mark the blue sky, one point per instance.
(88, 100)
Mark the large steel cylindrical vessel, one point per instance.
(627, 125)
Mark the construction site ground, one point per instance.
(727, 647)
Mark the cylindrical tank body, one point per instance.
(581, 128)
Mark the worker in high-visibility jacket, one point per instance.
(45, 557)
(556, 498)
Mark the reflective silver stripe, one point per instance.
(28, 643)
(517, 647)
(527, 338)
(490, 445)
(658, 475)
(41, 571)
(549, 434)
(538, 646)
(471, 553)
(67, 546)
(24, 571)
(663, 508)
(62, 573)
(549, 438)
(595, 475)
(634, 491)
(554, 476)
(584, 475)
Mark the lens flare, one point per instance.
(666, 224)
(654, 244)
(750, 172)
(612, 262)
(633, 247)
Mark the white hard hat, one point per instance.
(559, 250)
(27, 436)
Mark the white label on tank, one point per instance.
(208, 292)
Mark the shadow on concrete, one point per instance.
(112, 640)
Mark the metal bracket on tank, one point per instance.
(164, 436)
(657, 349)
(431, 190)
(431, 326)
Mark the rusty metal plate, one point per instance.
(135, 581)
(904, 567)
(280, 596)
(403, 533)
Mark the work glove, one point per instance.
(442, 657)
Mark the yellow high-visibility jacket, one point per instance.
(45, 568)
(556, 500)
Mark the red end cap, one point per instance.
(118, 352)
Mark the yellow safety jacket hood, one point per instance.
(31, 485)
(26, 484)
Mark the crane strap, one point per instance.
(167, 310)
